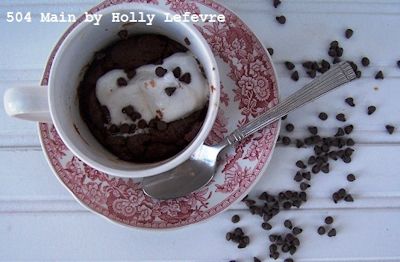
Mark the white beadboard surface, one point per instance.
(41, 221)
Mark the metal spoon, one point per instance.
(200, 168)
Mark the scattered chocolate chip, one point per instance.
(340, 132)
(304, 186)
(288, 224)
(313, 130)
(177, 72)
(235, 219)
(348, 129)
(295, 76)
(255, 259)
(286, 140)
(323, 116)
(289, 127)
(298, 177)
(160, 71)
(228, 236)
(336, 60)
(312, 73)
(187, 41)
(389, 129)
(297, 231)
(284, 117)
(328, 220)
(365, 61)
(266, 226)
(371, 110)
(379, 75)
(351, 177)
(332, 232)
(321, 230)
(300, 164)
(341, 117)
(276, 3)
(398, 64)
(129, 110)
(186, 78)
(123, 34)
(350, 101)
(289, 65)
(170, 91)
(299, 143)
(270, 51)
(121, 82)
(349, 198)
(348, 33)
(281, 19)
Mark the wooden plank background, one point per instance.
(40, 220)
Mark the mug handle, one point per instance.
(28, 103)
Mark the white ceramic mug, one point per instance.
(58, 102)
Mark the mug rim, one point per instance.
(212, 111)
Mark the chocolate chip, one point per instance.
(187, 41)
(186, 78)
(113, 129)
(228, 236)
(332, 232)
(288, 260)
(235, 219)
(323, 116)
(335, 197)
(350, 101)
(266, 226)
(129, 110)
(348, 33)
(349, 198)
(124, 128)
(270, 51)
(398, 64)
(336, 60)
(177, 72)
(289, 65)
(340, 132)
(304, 186)
(298, 177)
(313, 130)
(289, 127)
(299, 143)
(142, 124)
(348, 129)
(351, 177)
(286, 140)
(300, 164)
(286, 205)
(121, 82)
(281, 19)
(341, 117)
(161, 125)
(389, 129)
(379, 75)
(123, 34)
(328, 220)
(321, 230)
(297, 231)
(160, 71)
(276, 3)
(170, 91)
(365, 61)
(295, 76)
(350, 142)
(325, 168)
(273, 248)
(288, 224)
(358, 74)
(371, 110)
(306, 175)
(255, 259)
(312, 73)
(284, 117)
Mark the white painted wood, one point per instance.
(363, 235)
(40, 220)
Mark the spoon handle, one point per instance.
(338, 75)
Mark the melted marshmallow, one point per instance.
(146, 91)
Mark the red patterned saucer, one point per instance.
(249, 88)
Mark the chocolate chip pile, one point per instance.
(337, 147)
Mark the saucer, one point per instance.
(248, 88)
